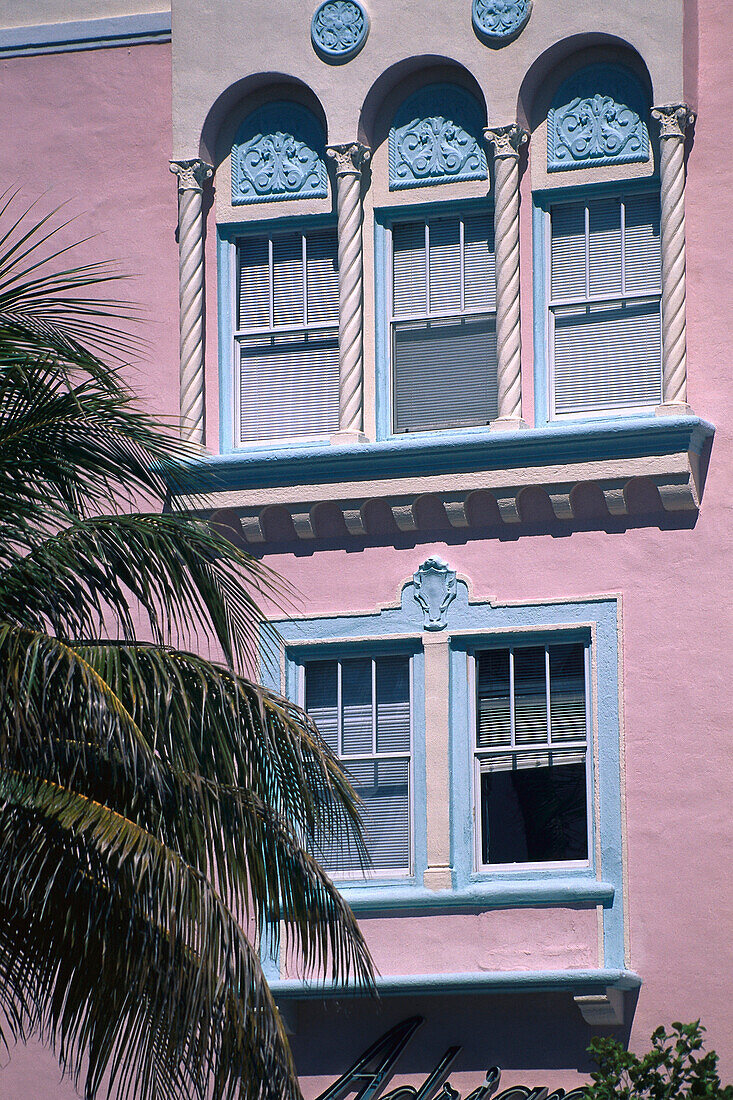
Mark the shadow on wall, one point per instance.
(531, 1032)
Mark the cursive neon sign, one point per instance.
(372, 1071)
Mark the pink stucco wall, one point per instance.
(93, 129)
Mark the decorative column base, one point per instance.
(438, 878)
(344, 437)
(673, 408)
(508, 424)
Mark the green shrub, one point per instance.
(676, 1068)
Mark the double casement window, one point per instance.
(604, 305)
(362, 707)
(530, 747)
(443, 322)
(286, 336)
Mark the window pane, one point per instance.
(323, 276)
(445, 266)
(534, 815)
(567, 692)
(493, 726)
(393, 704)
(321, 699)
(383, 787)
(568, 250)
(607, 357)
(356, 704)
(288, 278)
(444, 373)
(604, 246)
(643, 253)
(530, 696)
(408, 259)
(289, 386)
(479, 263)
(254, 283)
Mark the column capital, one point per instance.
(673, 119)
(350, 158)
(192, 174)
(506, 140)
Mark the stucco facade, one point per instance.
(611, 531)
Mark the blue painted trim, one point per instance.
(530, 893)
(86, 34)
(489, 981)
(456, 452)
(225, 283)
(382, 283)
(539, 315)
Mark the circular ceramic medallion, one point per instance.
(500, 21)
(339, 29)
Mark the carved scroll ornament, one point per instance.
(597, 119)
(436, 139)
(500, 21)
(278, 154)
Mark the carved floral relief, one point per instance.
(339, 29)
(597, 118)
(500, 21)
(278, 155)
(435, 139)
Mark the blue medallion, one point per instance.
(339, 29)
(499, 21)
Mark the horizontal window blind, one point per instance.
(531, 717)
(287, 335)
(605, 280)
(443, 328)
(362, 709)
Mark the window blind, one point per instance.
(605, 278)
(362, 709)
(287, 335)
(443, 329)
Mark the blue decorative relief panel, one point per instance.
(434, 587)
(597, 117)
(339, 29)
(436, 138)
(279, 153)
(500, 21)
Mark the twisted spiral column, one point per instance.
(507, 142)
(673, 121)
(349, 162)
(191, 177)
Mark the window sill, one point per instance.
(477, 477)
(489, 981)
(498, 894)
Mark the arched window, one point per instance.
(601, 267)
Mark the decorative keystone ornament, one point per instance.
(339, 29)
(500, 21)
(435, 590)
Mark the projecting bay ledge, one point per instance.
(463, 474)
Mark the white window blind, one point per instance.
(443, 326)
(362, 709)
(605, 322)
(532, 717)
(286, 335)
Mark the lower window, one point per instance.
(530, 755)
(361, 706)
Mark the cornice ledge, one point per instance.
(402, 473)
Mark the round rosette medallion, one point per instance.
(500, 21)
(339, 29)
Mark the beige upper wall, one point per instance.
(32, 13)
(217, 43)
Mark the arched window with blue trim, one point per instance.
(602, 276)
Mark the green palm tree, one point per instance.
(158, 809)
